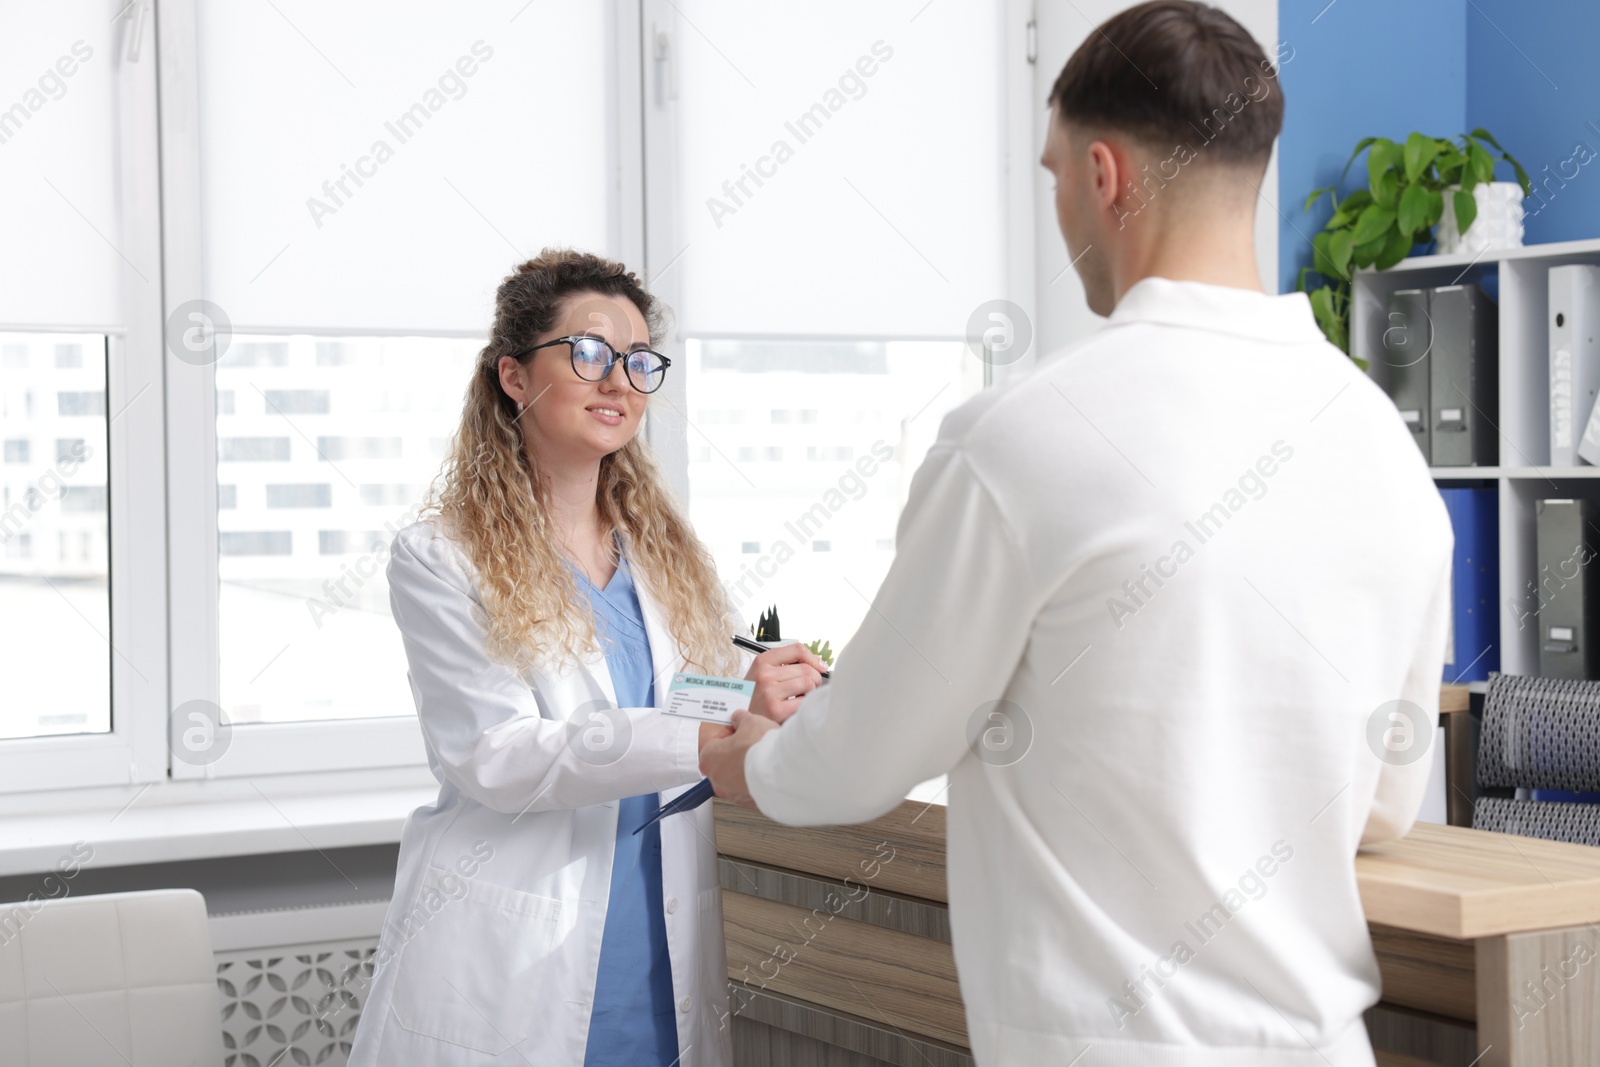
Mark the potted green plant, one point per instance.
(766, 630)
(1402, 204)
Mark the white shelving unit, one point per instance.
(1523, 474)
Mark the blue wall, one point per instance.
(1526, 71)
(1364, 68)
(1533, 81)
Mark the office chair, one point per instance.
(121, 978)
(1540, 735)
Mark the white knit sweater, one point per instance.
(1194, 557)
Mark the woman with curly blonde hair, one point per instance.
(546, 598)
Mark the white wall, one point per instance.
(1061, 316)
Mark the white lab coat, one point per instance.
(492, 941)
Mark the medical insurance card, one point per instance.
(710, 699)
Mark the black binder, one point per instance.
(1401, 365)
(1464, 377)
(1566, 589)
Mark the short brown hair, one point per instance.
(1165, 72)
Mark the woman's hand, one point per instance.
(783, 677)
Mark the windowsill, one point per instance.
(173, 821)
(187, 820)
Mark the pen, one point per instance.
(757, 647)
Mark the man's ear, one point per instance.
(1106, 174)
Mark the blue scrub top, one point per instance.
(633, 1024)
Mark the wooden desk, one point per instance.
(1498, 931)
(1464, 884)
(838, 945)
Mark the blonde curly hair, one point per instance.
(493, 499)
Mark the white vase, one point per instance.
(1498, 225)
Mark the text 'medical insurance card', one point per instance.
(710, 699)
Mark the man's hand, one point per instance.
(712, 731)
(722, 760)
(783, 677)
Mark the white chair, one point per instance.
(106, 981)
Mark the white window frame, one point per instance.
(134, 750)
(324, 745)
(162, 434)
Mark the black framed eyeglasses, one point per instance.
(592, 359)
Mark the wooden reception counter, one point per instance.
(839, 945)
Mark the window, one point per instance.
(352, 542)
(332, 411)
(803, 213)
(389, 494)
(273, 461)
(300, 496)
(844, 499)
(323, 234)
(335, 354)
(230, 374)
(253, 449)
(826, 290)
(83, 564)
(53, 577)
(255, 354)
(256, 542)
(82, 404)
(330, 449)
(319, 485)
(83, 500)
(297, 401)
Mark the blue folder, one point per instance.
(1474, 647)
